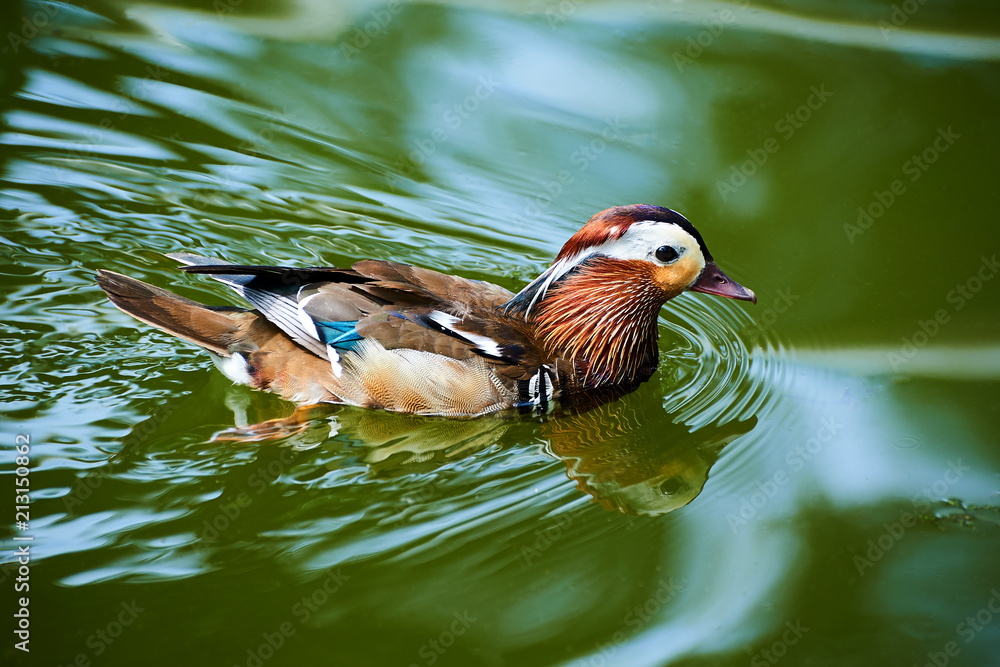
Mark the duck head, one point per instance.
(599, 300)
(658, 242)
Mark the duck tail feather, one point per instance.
(214, 329)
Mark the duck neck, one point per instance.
(601, 318)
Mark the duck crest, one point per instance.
(600, 234)
(598, 231)
(601, 230)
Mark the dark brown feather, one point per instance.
(211, 328)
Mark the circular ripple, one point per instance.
(716, 377)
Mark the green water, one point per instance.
(811, 481)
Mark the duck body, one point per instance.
(408, 339)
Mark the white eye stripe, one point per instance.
(639, 242)
(643, 239)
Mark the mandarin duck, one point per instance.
(408, 339)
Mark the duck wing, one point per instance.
(330, 310)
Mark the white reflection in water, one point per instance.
(830, 443)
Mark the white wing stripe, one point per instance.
(483, 343)
(334, 361)
(283, 312)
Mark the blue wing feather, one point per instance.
(341, 335)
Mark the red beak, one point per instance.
(713, 281)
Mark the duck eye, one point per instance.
(667, 254)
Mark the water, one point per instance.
(812, 481)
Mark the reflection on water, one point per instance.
(636, 460)
(729, 496)
(629, 457)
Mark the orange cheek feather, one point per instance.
(675, 278)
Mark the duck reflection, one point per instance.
(627, 455)
(399, 443)
(630, 457)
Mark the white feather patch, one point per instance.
(305, 319)
(552, 274)
(235, 368)
(284, 312)
(483, 343)
(540, 387)
(335, 366)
